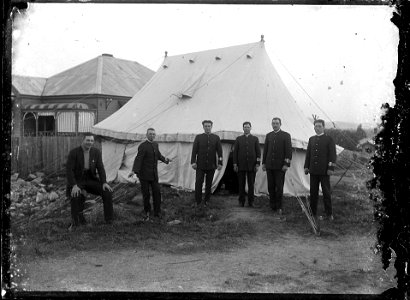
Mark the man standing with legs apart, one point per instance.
(277, 155)
(146, 168)
(246, 161)
(207, 146)
(319, 162)
(83, 163)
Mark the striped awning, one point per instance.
(56, 106)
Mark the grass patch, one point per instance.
(199, 230)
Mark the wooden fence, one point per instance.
(47, 154)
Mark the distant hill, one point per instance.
(348, 125)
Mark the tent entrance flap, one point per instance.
(229, 180)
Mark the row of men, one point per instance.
(85, 161)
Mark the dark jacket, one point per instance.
(75, 166)
(320, 151)
(204, 151)
(146, 161)
(277, 149)
(246, 152)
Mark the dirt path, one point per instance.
(288, 264)
(280, 267)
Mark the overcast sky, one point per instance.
(338, 61)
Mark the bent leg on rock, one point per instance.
(95, 188)
(77, 207)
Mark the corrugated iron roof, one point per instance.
(26, 85)
(104, 74)
(56, 106)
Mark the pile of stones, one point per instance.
(36, 198)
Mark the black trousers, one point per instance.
(77, 203)
(156, 195)
(324, 181)
(208, 175)
(276, 180)
(242, 177)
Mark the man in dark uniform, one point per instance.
(319, 162)
(277, 155)
(146, 168)
(207, 146)
(83, 163)
(246, 161)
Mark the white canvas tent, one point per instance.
(228, 86)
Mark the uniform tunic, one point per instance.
(277, 153)
(146, 161)
(146, 168)
(204, 151)
(246, 152)
(320, 157)
(320, 152)
(246, 155)
(278, 149)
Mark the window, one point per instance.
(29, 124)
(46, 123)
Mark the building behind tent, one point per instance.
(49, 113)
(74, 100)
